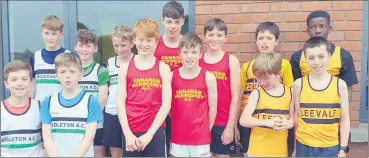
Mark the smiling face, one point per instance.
(18, 83)
(145, 45)
(266, 42)
(215, 39)
(173, 27)
(190, 56)
(317, 58)
(85, 51)
(122, 47)
(268, 81)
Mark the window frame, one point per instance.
(364, 95)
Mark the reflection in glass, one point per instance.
(25, 19)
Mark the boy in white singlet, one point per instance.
(20, 115)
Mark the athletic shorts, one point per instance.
(190, 150)
(98, 140)
(244, 138)
(168, 132)
(113, 133)
(303, 150)
(291, 141)
(217, 146)
(156, 148)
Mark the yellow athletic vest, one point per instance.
(319, 115)
(264, 141)
(249, 82)
(334, 63)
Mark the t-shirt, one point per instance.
(102, 73)
(94, 108)
(48, 56)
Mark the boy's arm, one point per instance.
(103, 76)
(235, 91)
(166, 99)
(345, 117)
(287, 75)
(295, 64)
(45, 118)
(211, 82)
(94, 116)
(348, 72)
(246, 119)
(296, 99)
(121, 100)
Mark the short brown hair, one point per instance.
(174, 10)
(53, 23)
(17, 65)
(215, 23)
(147, 27)
(268, 26)
(123, 32)
(267, 64)
(67, 59)
(85, 37)
(191, 40)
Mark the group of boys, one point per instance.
(174, 84)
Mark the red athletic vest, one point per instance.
(144, 88)
(221, 71)
(190, 110)
(168, 55)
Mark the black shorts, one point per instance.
(113, 133)
(98, 140)
(216, 145)
(156, 148)
(244, 138)
(168, 133)
(290, 141)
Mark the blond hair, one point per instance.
(52, 23)
(67, 60)
(147, 27)
(17, 65)
(267, 64)
(123, 32)
(85, 37)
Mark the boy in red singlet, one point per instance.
(226, 69)
(194, 102)
(144, 95)
(167, 48)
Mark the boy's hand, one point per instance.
(341, 153)
(228, 135)
(144, 141)
(272, 122)
(131, 143)
(282, 124)
(237, 135)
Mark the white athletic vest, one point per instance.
(46, 84)
(68, 125)
(90, 84)
(111, 105)
(21, 134)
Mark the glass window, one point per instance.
(25, 19)
(112, 13)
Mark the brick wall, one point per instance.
(242, 18)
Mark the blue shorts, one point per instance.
(113, 133)
(98, 140)
(244, 137)
(156, 148)
(217, 146)
(308, 151)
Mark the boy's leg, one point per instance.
(113, 135)
(217, 147)
(244, 138)
(99, 149)
(304, 150)
(290, 141)
(328, 152)
(157, 147)
(200, 150)
(167, 133)
(177, 150)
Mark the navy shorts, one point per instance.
(98, 140)
(244, 138)
(216, 145)
(156, 148)
(113, 133)
(308, 151)
(290, 141)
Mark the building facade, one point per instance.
(20, 33)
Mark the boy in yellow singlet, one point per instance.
(269, 111)
(322, 106)
(267, 38)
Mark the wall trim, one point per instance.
(363, 114)
(5, 40)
